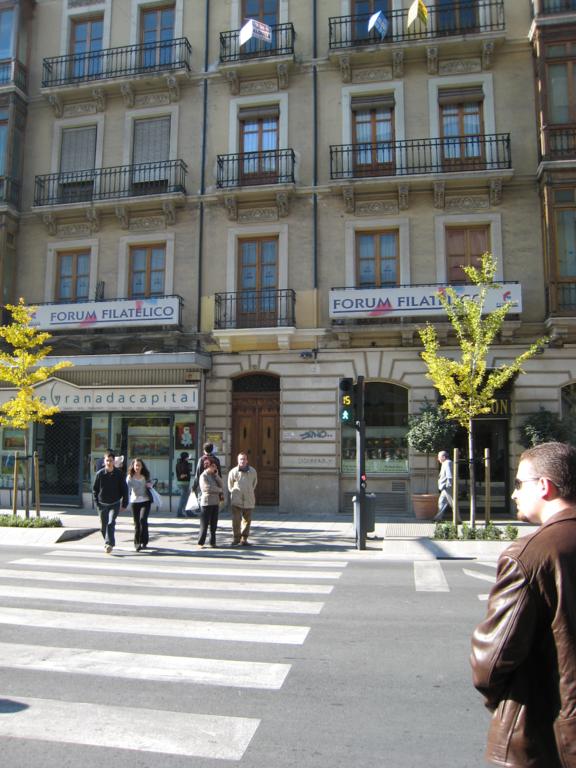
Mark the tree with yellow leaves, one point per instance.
(20, 358)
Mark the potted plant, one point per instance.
(429, 432)
(544, 426)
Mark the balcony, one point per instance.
(118, 183)
(551, 7)
(255, 169)
(456, 19)
(13, 74)
(10, 192)
(271, 308)
(282, 44)
(415, 157)
(558, 143)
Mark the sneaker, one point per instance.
(108, 548)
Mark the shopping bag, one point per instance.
(192, 504)
(156, 498)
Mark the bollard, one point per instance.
(15, 485)
(36, 484)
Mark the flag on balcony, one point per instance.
(417, 10)
(256, 29)
(379, 22)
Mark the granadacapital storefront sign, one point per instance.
(69, 397)
(410, 301)
(162, 310)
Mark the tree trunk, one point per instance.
(427, 486)
(472, 474)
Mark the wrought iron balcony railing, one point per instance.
(12, 72)
(270, 308)
(110, 63)
(282, 44)
(461, 17)
(247, 169)
(122, 181)
(559, 143)
(421, 156)
(550, 7)
(10, 191)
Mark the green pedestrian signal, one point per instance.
(346, 397)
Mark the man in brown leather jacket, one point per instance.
(524, 652)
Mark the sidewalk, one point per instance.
(272, 535)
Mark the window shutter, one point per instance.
(460, 95)
(78, 149)
(382, 101)
(270, 111)
(151, 140)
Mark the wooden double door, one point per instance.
(255, 430)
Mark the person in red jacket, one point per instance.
(524, 652)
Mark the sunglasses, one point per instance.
(518, 483)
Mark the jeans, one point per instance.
(140, 512)
(108, 514)
(208, 517)
(184, 493)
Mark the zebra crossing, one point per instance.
(58, 612)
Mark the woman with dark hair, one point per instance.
(138, 482)
(212, 493)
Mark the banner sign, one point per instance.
(413, 300)
(69, 397)
(256, 29)
(379, 22)
(163, 310)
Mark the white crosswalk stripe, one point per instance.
(44, 596)
(429, 576)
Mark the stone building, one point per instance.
(216, 233)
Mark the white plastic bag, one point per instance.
(192, 504)
(156, 498)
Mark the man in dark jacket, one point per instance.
(110, 495)
(524, 652)
(208, 449)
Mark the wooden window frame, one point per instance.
(76, 275)
(467, 259)
(263, 168)
(257, 307)
(148, 248)
(374, 167)
(454, 7)
(569, 60)
(462, 140)
(93, 65)
(260, 16)
(160, 56)
(376, 234)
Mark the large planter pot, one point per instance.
(425, 505)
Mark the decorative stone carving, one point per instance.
(250, 87)
(348, 195)
(282, 203)
(56, 104)
(152, 100)
(169, 210)
(246, 215)
(398, 63)
(122, 215)
(173, 88)
(439, 194)
(99, 98)
(432, 60)
(231, 205)
(467, 203)
(376, 207)
(487, 54)
(496, 191)
(74, 230)
(233, 82)
(403, 197)
(374, 75)
(50, 223)
(76, 110)
(282, 72)
(127, 94)
(93, 217)
(460, 66)
(147, 223)
(345, 69)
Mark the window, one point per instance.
(72, 276)
(86, 37)
(456, 16)
(147, 270)
(3, 140)
(150, 153)
(376, 259)
(77, 158)
(157, 36)
(6, 33)
(564, 236)
(464, 247)
(257, 282)
(259, 143)
(462, 127)
(261, 10)
(386, 415)
(373, 135)
(561, 83)
(365, 9)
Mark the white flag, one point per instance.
(256, 29)
(379, 22)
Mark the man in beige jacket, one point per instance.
(242, 481)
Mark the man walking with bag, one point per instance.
(242, 481)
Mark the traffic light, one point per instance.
(347, 415)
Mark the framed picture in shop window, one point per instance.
(99, 439)
(185, 437)
(12, 439)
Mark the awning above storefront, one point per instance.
(199, 360)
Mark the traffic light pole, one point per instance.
(360, 506)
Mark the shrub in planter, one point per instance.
(15, 521)
(488, 532)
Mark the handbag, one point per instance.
(192, 504)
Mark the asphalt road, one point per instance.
(228, 657)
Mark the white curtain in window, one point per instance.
(152, 147)
(78, 149)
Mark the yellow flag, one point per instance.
(417, 11)
(422, 12)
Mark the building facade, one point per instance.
(216, 233)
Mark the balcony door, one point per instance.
(157, 37)
(258, 283)
(147, 270)
(456, 17)
(364, 9)
(265, 11)
(77, 160)
(259, 131)
(377, 259)
(72, 276)
(464, 247)
(150, 154)
(86, 37)
(373, 136)
(462, 129)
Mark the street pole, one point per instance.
(360, 523)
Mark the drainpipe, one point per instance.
(203, 164)
(315, 145)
